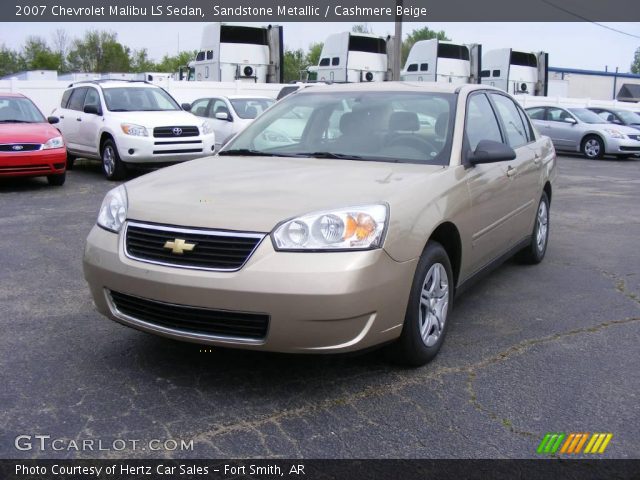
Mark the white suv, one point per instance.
(125, 122)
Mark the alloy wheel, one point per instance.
(434, 300)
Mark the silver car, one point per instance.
(581, 130)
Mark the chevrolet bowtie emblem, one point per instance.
(179, 246)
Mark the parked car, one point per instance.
(126, 123)
(230, 114)
(581, 130)
(29, 145)
(337, 241)
(618, 116)
(295, 86)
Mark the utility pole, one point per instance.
(397, 44)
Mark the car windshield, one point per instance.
(378, 126)
(629, 118)
(250, 108)
(138, 99)
(586, 116)
(19, 110)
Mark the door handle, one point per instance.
(61, 116)
(79, 119)
(510, 171)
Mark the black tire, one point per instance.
(112, 166)
(534, 252)
(410, 349)
(592, 147)
(623, 157)
(57, 180)
(70, 161)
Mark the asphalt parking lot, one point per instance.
(530, 350)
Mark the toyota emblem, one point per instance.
(17, 147)
(177, 131)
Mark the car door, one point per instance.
(491, 191)
(90, 123)
(527, 166)
(72, 119)
(563, 129)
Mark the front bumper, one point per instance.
(317, 302)
(623, 146)
(33, 164)
(164, 150)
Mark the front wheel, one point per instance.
(112, 166)
(537, 248)
(57, 180)
(593, 147)
(430, 301)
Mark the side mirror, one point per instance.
(489, 151)
(53, 120)
(92, 109)
(570, 120)
(186, 107)
(222, 116)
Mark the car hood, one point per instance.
(27, 132)
(612, 126)
(256, 193)
(159, 119)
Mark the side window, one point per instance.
(76, 102)
(481, 122)
(412, 68)
(65, 98)
(485, 74)
(92, 98)
(335, 61)
(496, 73)
(218, 106)
(424, 67)
(324, 62)
(514, 128)
(199, 107)
(536, 113)
(527, 124)
(209, 54)
(557, 114)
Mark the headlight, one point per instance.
(206, 128)
(135, 130)
(113, 211)
(55, 142)
(614, 133)
(355, 228)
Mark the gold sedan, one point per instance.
(342, 218)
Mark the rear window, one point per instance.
(367, 44)
(237, 34)
(458, 52)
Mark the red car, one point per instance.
(29, 145)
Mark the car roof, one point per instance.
(12, 95)
(114, 84)
(250, 97)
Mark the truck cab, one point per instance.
(352, 57)
(438, 61)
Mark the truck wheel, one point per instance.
(430, 301)
(112, 166)
(57, 180)
(592, 147)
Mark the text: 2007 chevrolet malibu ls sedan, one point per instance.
(342, 218)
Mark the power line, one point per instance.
(577, 15)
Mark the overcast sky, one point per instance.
(571, 45)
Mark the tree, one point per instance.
(313, 55)
(38, 56)
(10, 61)
(61, 42)
(140, 61)
(361, 28)
(423, 33)
(635, 65)
(171, 64)
(99, 51)
(294, 63)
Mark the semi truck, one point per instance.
(516, 72)
(439, 61)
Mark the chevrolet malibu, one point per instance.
(358, 231)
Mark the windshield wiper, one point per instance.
(247, 152)
(340, 156)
